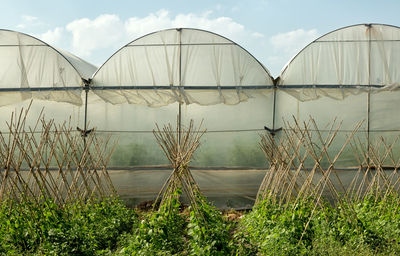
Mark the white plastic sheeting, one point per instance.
(345, 62)
(181, 65)
(231, 140)
(31, 68)
(351, 74)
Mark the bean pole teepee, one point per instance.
(179, 146)
(303, 167)
(51, 161)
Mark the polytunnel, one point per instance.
(173, 76)
(176, 75)
(32, 69)
(351, 74)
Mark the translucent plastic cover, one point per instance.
(31, 68)
(187, 65)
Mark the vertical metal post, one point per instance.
(86, 112)
(369, 91)
(274, 115)
(180, 84)
(274, 108)
(179, 123)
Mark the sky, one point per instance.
(272, 31)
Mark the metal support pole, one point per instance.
(85, 131)
(179, 123)
(369, 91)
(180, 84)
(274, 115)
(274, 109)
(85, 124)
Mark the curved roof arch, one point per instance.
(33, 68)
(183, 58)
(358, 56)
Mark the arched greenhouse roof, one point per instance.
(181, 65)
(30, 68)
(352, 59)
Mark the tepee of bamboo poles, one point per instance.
(179, 146)
(302, 163)
(302, 166)
(51, 161)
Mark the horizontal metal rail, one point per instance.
(167, 87)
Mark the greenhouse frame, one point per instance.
(176, 75)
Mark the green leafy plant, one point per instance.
(277, 229)
(75, 229)
(159, 233)
(208, 231)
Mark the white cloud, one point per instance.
(28, 18)
(98, 38)
(293, 41)
(102, 32)
(286, 45)
(257, 35)
(29, 21)
(136, 27)
(109, 32)
(225, 26)
(52, 37)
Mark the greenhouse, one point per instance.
(177, 75)
(352, 74)
(32, 69)
(174, 76)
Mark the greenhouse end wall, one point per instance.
(349, 75)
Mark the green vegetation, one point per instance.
(159, 233)
(44, 228)
(271, 229)
(208, 232)
(367, 227)
(134, 154)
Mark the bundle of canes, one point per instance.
(50, 161)
(179, 146)
(296, 168)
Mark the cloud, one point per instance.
(225, 26)
(257, 35)
(29, 18)
(102, 32)
(29, 21)
(136, 27)
(286, 45)
(293, 41)
(52, 37)
(98, 38)
(109, 32)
